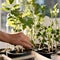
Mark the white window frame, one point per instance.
(16, 1)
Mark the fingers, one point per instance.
(21, 39)
(26, 45)
(26, 39)
(23, 43)
(27, 42)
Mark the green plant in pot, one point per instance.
(27, 15)
(26, 18)
(17, 18)
(49, 35)
(54, 14)
(38, 22)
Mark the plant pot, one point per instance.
(4, 50)
(45, 52)
(14, 54)
(48, 55)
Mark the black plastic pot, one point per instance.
(13, 54)
(2, 51)
(48, 55)
(45, 52)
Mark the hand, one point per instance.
(20, 39)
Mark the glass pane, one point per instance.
(50, 3)
(3, 18)
(40, 1)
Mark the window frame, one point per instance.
(0, 15)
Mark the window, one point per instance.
(3, 26)
(40, 1)
(3, 18)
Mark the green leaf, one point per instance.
(24, 26)
(38, 25)
(21, 19)
(37, 7)
(17, 6)
(4, 4)
(55, 6)
(29, 22)
(49, 29)
(42, 7)
(38, 34)
(15, 13)
(32, 42)
(43, 41)
(9, 1)
(5, 9)
(56, 39)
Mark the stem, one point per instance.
(48, 46)
(56, 47)
(52, 44)
(32, 38)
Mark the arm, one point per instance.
(4, 37)
(16, 39)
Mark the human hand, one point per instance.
(20, 39)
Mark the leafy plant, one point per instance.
(29, 16)
(16, 18)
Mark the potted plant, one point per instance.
(52, 34)
(28, 16)
(18, 20)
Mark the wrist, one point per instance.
(4, 37)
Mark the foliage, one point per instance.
(29, 16)
(17, 18)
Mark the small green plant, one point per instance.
(54, 14)
(50, 35)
